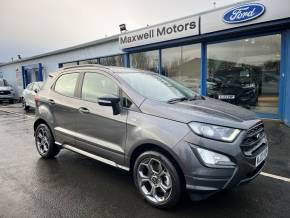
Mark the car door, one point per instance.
(62, 101)
(99, 131)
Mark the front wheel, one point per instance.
(157, 179)
(45, 142)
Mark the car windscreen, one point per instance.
(234, 76)
(156, 87)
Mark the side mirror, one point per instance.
(111, 101)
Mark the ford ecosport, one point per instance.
(169, 137)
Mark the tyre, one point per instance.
(44, 142)
(25, 106)
(11, 101)
(157, 179)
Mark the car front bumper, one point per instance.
(201, 187)
(8, 97)
(203, 181)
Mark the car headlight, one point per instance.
(213, 158)
(220, 133)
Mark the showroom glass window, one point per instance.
(183, 65)
(90, 61)
(246, 72)
(70, 64)
(117, 60)
(148, 60)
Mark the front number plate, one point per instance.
(261, 157)
(226, 96)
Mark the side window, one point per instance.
(66, 84)
(96, 85)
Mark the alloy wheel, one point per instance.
(42, 140)
(154, 180)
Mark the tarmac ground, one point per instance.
(72, 185)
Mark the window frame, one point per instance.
(133, 106)
(76, 87)
(81, 82)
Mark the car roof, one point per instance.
(113, 69)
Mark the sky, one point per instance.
(31, 27)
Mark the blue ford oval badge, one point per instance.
(244, 13)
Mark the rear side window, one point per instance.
(96, 85)
(66, 84)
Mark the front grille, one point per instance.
(252, 142)
(5, 92)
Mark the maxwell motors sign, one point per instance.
(243, 13)
(168, 31)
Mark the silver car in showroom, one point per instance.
(29, 93)
(7, 92)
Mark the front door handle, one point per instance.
(84, 110)
(50, 101)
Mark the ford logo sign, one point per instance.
(244, 13)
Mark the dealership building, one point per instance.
(239, 53)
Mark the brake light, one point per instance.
(37, 100)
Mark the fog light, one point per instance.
(213, 158)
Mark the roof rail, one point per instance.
(84, 65)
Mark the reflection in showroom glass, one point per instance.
(183, 65)
(246, 72)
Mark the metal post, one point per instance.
(203, 69)
(284, 96)
(160, 62)
(126, 60)
(23, 76)
(40, 76)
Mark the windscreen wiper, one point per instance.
(196, 97)
(173, 100)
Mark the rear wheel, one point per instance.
(45, 142)
(157, 179)
(25, 106)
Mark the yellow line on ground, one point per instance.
(275, 177)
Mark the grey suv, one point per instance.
(168, 136)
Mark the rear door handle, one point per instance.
(84, 110)
(50, 101)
